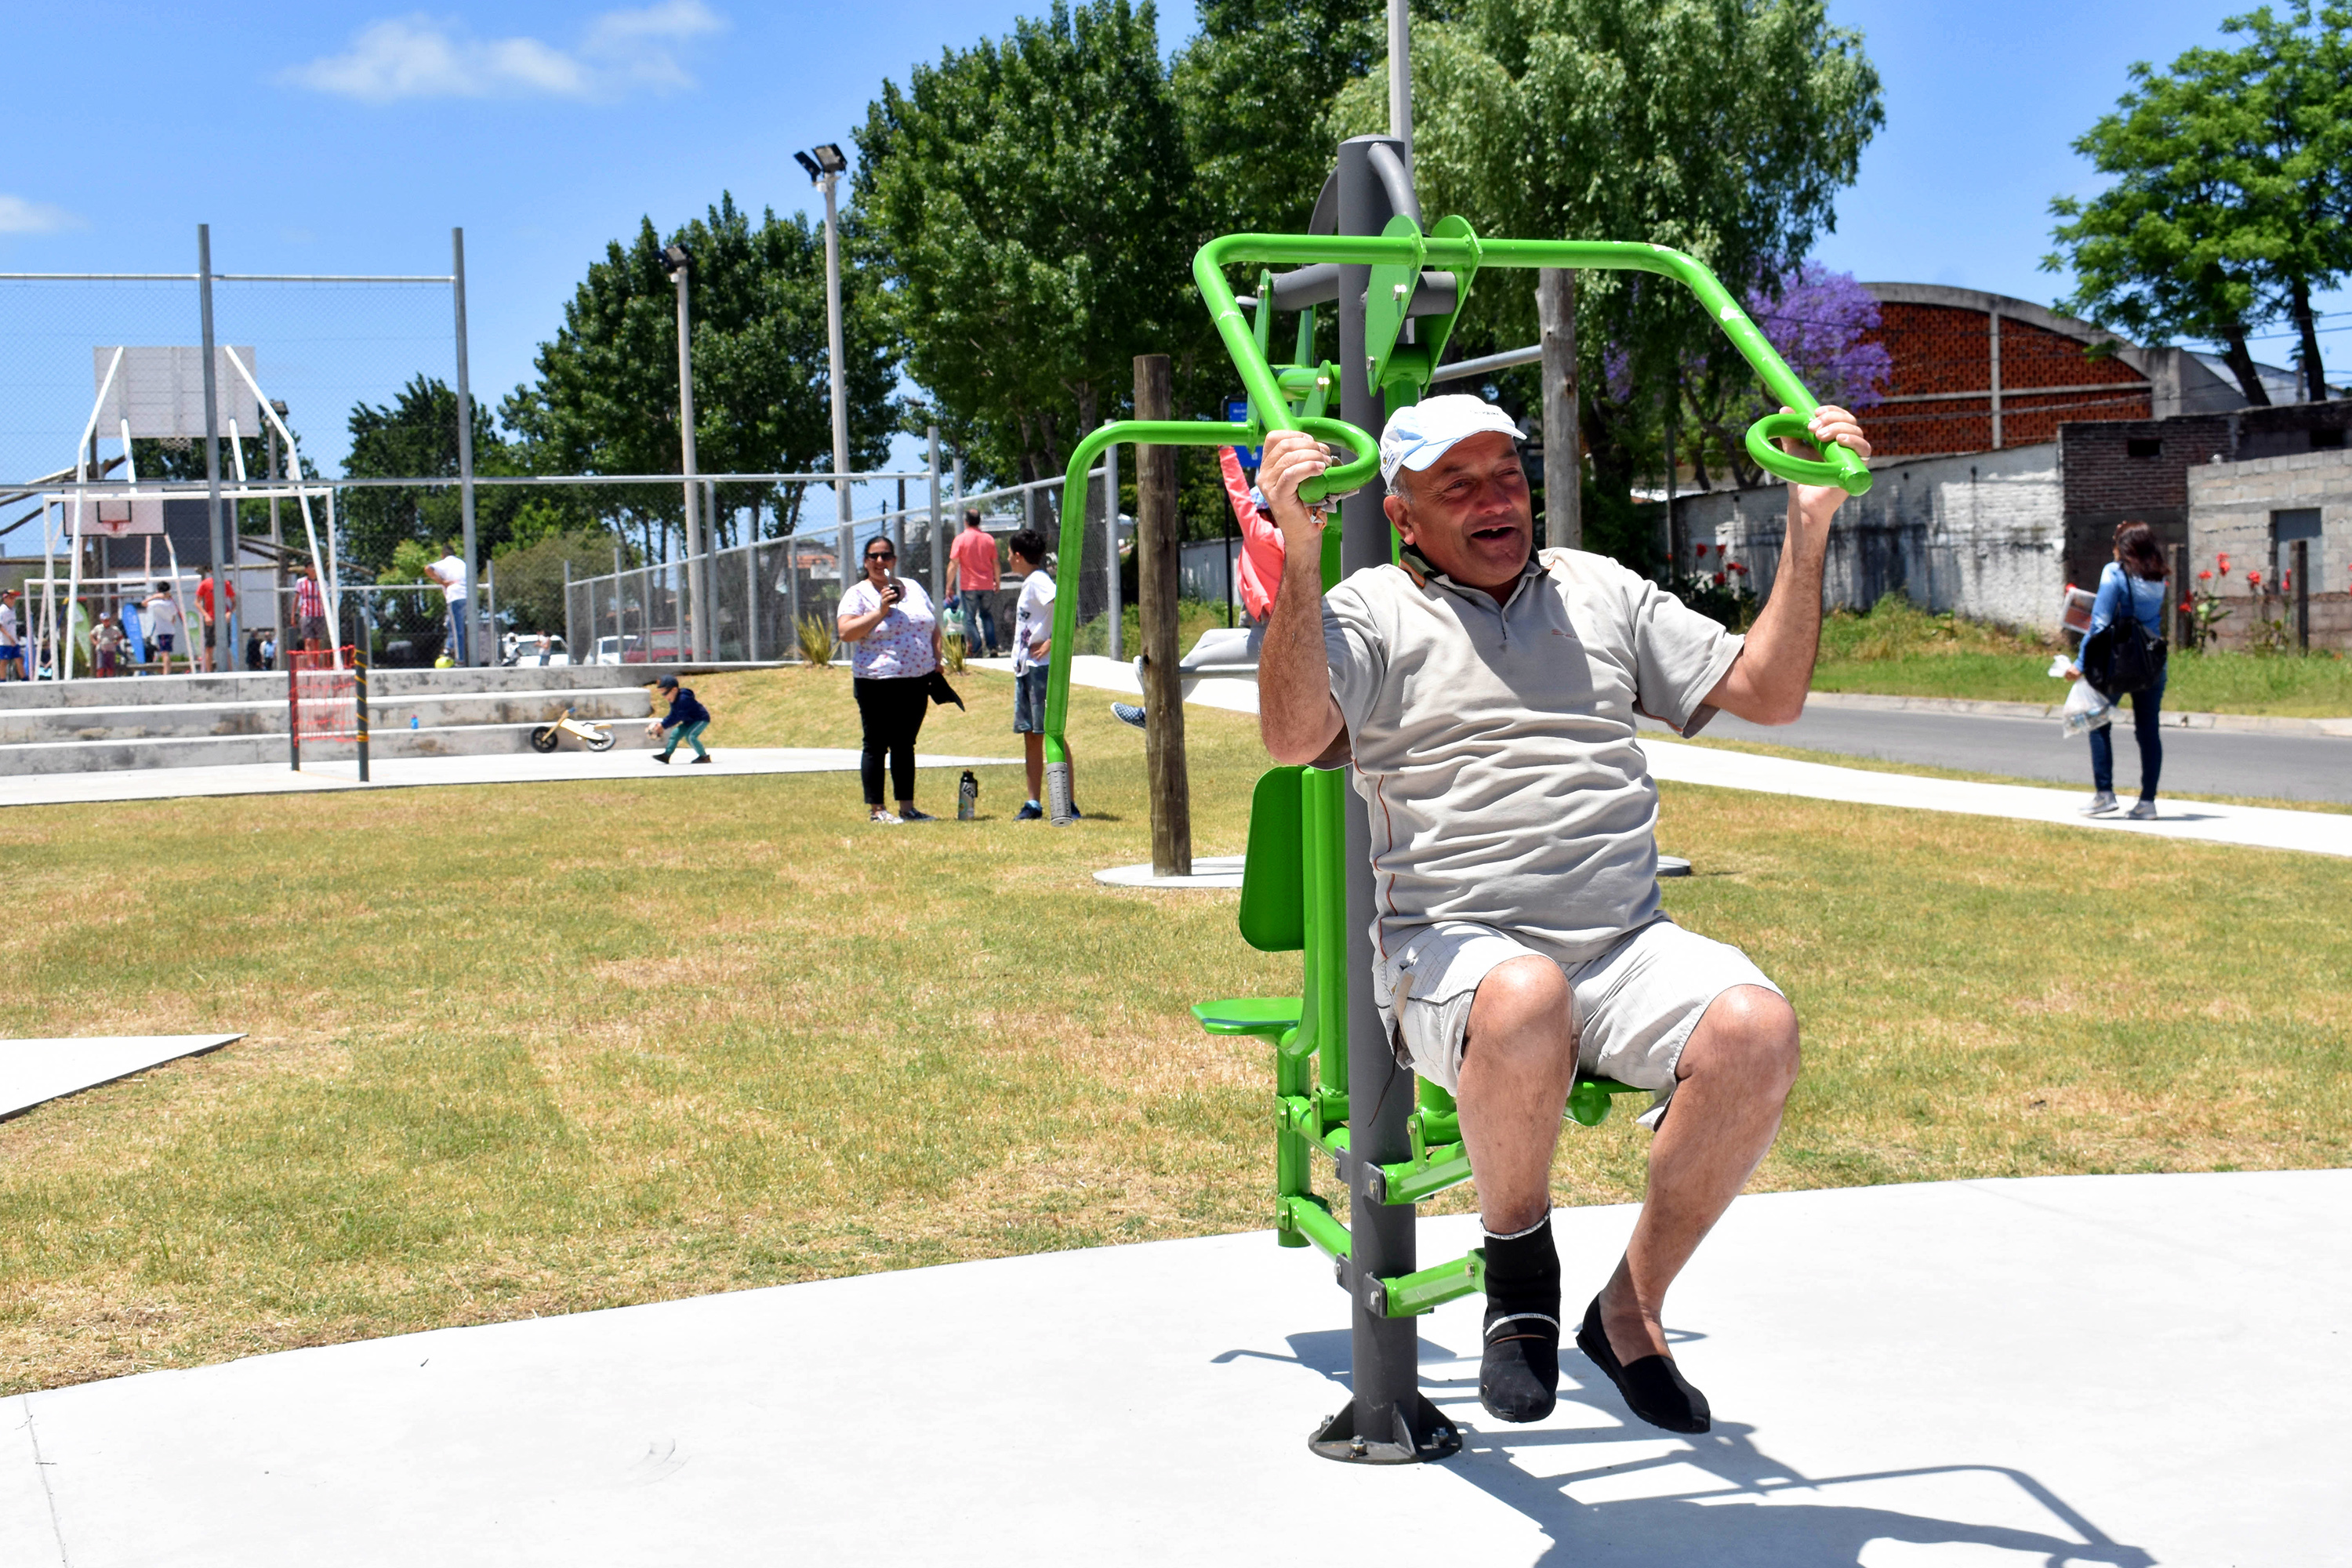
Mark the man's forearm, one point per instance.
(1786, 639)
(1294, 673)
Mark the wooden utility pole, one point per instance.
(1562, 444)
(1158, 550)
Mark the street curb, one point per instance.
(2256, 724)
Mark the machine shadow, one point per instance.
(1743, 1512)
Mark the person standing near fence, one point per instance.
(164, 623)
(2131, 588)
(1032, 664)
(310, 609)
(894, 636)
(12, 643)
(972, 578)
(451, 573)
(209, 610)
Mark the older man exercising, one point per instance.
(1487, 695)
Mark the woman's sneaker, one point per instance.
(1029, 811)
(2142, 811)
(2100, 803)
(878, 815)
(908, 814)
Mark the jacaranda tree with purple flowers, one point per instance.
(1822, 322)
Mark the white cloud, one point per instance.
(420, 57)
(18, 215)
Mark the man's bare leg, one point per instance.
(1733, 1080)
(1517, 1065)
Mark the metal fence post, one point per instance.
(360, 702)
(464, 418)
(2301, 556)
(939, 540)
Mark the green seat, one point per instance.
(1271, 1017)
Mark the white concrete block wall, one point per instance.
(1982, 534)
(2229, 507)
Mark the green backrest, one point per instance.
(1274, 875)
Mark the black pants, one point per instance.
(2145, 705)
(891, 715)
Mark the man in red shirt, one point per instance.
(972, 573)
(204, 609)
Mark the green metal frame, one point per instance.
(1294, 888)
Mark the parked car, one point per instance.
(629, 649)
(532, 648)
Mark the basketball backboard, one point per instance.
(161, 391)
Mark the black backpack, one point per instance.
(2122, 656)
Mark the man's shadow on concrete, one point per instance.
(1727, 1521)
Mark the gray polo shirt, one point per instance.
(1494, 744)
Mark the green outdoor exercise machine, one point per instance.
(1307, 885)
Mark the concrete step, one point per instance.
(216, 750)
(152, 720)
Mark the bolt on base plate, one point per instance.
(1426, 1434)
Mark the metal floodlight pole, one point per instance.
(824, 166)
(224, 635)
(465, 431)
(1388, 1420)
(680, 262)
(1401, 77)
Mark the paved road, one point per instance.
(2199, 762)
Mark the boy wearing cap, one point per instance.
(1488, 696)
(686, 720)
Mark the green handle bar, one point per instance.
(1464, 253)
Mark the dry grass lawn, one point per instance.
(518, 1050)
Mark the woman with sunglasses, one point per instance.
(894, 638)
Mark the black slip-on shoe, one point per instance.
(1652, 1386)
(1518, 1370)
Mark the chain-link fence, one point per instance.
(759, 594)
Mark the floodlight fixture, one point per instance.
(676, 259)
(809, 164)
(829, 158)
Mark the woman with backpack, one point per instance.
(2126, 653)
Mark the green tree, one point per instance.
(2233, 177)
(1724, 127)
(1028, 200)
(606, 396)
(1253, 88)
(415, 436)
(530, 576)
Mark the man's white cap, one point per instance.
(1418, 436)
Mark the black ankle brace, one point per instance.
(1523, 1275)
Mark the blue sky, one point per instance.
(338, 138)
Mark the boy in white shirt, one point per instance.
(1032, 654)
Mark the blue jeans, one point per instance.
(981, 620)
(458, 631)
(2144, 706)
(691, 734)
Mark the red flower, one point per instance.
(2205, 575)
(2187, 605)
(1719, 579)
(2225, 564)
(2253, 579)
(1735, 566)
(1699, 548)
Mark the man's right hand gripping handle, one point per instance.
(1297, 717)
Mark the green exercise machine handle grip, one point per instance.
(1344, 477)
(1764, 440)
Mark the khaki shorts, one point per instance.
(1631, 1009)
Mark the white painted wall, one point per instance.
(1982, 534)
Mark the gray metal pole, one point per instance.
(224, 546)
(1388, 1421)
(277, 559)
(834, 353)
(1110, 548)
(752, 600)
(938, 539)
(693, 587)
(464, 435)
(571, 641)
(1400, 77)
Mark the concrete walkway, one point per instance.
(2263, 828)
(2106, 1369)
(413, 773)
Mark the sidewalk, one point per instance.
(2249, 723)
(2250, 826)
(412, 772)
(2143, 1389)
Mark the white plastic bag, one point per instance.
(2087, 710)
